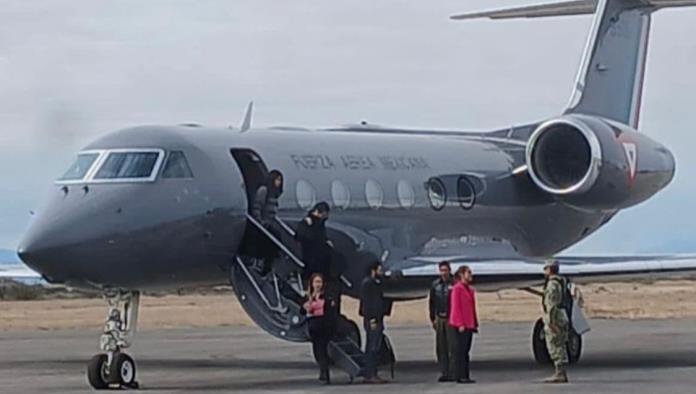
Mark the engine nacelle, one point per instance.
(596, 163)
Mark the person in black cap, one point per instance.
(314, 242)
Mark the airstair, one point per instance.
(274, 301)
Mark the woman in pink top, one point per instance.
(322, 314)
(464, 319)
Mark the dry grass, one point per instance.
(669, 299)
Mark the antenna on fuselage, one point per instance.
(246, 122)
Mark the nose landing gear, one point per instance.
(114, 368)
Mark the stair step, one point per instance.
(347, 355)
(268, 306)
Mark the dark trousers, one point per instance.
(321, 332)
(269, 250)
(445, 339)
(320, 348)
(463, 347)
(373, 345)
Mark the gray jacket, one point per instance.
(265, 206)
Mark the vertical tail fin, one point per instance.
(611, 74)
(610, 78)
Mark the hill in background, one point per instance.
(8, 256)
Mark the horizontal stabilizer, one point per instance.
(577, 7)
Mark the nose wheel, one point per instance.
(120, 373)
(114, 368)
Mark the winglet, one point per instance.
(246, 122)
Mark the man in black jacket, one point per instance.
(314, 242)
(445, 335)
(372, 309)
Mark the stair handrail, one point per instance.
(280, 308)
(292, 233)
(285, 227)
(279, 244)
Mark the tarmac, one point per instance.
(646, 356)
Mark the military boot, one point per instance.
(559, 375)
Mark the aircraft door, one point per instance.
(254, 172)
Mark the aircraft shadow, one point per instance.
(602, 361)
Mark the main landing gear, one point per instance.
(541, 353)
(113, 368)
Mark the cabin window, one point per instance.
(407, 197)
(80, 167)
(340, 194)
(374, 194)
(129, 165)
(176, 166)
(305, 194)
(466, 193)
(437, 194)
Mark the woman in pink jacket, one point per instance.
(464, 319)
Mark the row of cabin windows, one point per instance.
(136, 165)
(127, 165)
(306, 195)
(437, 196)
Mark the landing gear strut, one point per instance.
(541, 353)
(114, 368)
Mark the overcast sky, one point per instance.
(72, 70)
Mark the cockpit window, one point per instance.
(80, 167)
(176, 166)
(132, 165)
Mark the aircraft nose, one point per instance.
(49, 247)
(23, 254)
(38, 253)
(32, 253)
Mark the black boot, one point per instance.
(324, 376)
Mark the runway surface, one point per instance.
(620, 357)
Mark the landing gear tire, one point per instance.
(97, 372)
(574, 346)
(113, 368)
(540, 351)
(122, 371)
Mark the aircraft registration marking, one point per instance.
(359, 162)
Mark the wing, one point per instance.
(515, 272)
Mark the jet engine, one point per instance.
(592, 162)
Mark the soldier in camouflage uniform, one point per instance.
(556, 323)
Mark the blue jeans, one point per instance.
(373, 345)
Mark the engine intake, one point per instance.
(592, 162)
(564, 157)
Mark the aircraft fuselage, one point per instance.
(392, 193)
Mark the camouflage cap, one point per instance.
(550, 263)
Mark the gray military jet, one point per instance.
(165, 207)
